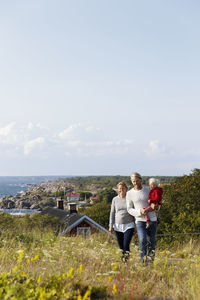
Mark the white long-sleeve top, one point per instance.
(136, 200)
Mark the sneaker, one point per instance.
(123, 258)
(126, 255)
(149, 258)
(151, 255)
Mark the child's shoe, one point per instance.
(147, 225)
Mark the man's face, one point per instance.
(137, 182)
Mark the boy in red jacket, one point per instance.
(155, 198)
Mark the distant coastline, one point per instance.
(13, 185)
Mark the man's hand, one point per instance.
(142, 211)
(111, 230)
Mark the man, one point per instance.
(137, 199)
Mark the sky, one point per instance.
(99, 87)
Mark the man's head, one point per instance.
(136, 180)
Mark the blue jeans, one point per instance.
(124, 239)
(147, 238)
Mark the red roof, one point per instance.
(73, 195)
(94, 197)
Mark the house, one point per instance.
(74, 223)
(36, 198)
(94, 198)
(73, 197)
(77, 224)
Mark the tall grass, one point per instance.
(36, 263)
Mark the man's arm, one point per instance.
(132, 211)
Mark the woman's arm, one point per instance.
(112, 215)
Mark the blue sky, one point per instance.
(99, 87)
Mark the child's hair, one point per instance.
(154, 181)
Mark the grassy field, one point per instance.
(36, 263)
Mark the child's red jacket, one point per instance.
(155, 195)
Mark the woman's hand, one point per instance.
(111, 230)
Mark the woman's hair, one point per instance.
(154, 181)
(122, 183)
(136, 175)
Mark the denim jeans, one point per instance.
(147, 239)
(124, 239)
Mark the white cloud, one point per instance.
(80, 131)
(41, 126)
(35, 127)
(83, 142)
(5, 131)
(92, 129)
(154, 146)
(30, 126)
(73, 143)
(77, 140)
(32, 145)
(157, 149)
(69, 132)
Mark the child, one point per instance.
(155, 198)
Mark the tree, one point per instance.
(84, 195)
(180, 211)
(107, 195)
(99, 212)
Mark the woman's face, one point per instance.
(137, 182)
(122, 191)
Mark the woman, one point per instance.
(121, 221)
(137, 199)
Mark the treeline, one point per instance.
(82, 183)
(180, 212)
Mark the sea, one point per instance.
(13, 185)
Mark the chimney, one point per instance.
(72, 208)
(60, 204)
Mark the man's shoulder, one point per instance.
(146, 189)
(130, 191)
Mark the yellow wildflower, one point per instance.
(20, 255)
(114, 290)
(14, 270)
(70, 274)
(39, 279)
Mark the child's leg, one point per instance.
(147, 218)
(148, 209)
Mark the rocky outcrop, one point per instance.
(39, 196)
